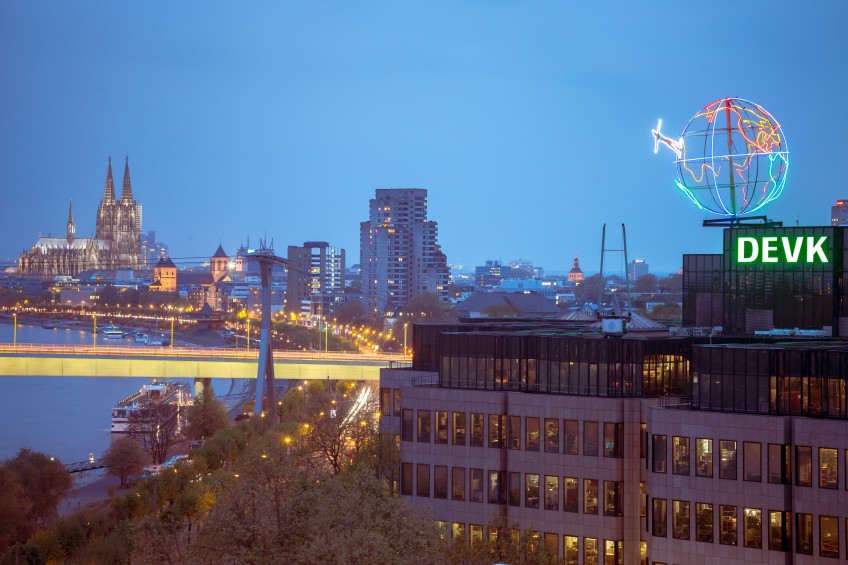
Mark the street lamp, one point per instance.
(248, 330)
(15, 328)
(405, 324)
(94, 330)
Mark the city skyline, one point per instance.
(530, 129)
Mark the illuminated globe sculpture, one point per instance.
(732, 158)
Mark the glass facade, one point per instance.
(788, 292)
(790, 379)
(564, 364)
(702, 297)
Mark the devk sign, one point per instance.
(773, 249)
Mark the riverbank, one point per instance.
(192, 337)
(91, 490)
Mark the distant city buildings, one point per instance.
(524, 269)
(839, 213)
(636, 269)
(201, 287)
(116, 244)
(491, 274)
(316, 278)
(399, 253)
(152, 250)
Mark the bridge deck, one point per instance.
(185, 362)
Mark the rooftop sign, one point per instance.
(784, 249)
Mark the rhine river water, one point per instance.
(64, 417)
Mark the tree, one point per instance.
(124, 457)
(588, 288)
(358, 520)
(206, 416)
(666, 312)
(278, 511)
(156, 430)
(426, 307)
(334, 442)
(259, 516)
(351, 312)
(645, 284)
(671, 284)
(44, 480)
(15, 521)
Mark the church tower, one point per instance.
(126, 234)
(106, 210)
(72, 229)
(576, 273)
(219, 264)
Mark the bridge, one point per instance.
(37, 360)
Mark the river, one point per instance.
(64, 417)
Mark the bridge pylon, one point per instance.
(266, 391)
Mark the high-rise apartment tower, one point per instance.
(315, 278)
(399, 254)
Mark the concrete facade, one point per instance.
(650, 474)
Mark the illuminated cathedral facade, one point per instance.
(116, 243)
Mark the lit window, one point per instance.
(680, 519)
(753, 528)
(727, 517)
(828, 468)
(829, 536)
(704, 522)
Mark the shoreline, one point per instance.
(189, 338)
(89, 492)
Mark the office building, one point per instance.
(316, 279)
(491, 274)
(650, 448)
(839, 213)
(399, 252)
(636, 269)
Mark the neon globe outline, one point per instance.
(748, 175)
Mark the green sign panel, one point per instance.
(773, 249)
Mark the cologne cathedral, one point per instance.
(116, 243)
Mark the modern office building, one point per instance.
(648, 448)
(839, 213)
(399, 252)
(637, 268)
(152, 250)
(770, 279)
(316, 279)
(491, 274)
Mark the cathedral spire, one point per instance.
(126, 189)
(109, 191)
(71, 227)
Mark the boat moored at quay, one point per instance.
(139, 405)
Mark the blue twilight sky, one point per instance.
(528, 122)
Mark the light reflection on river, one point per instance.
(65, 417)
